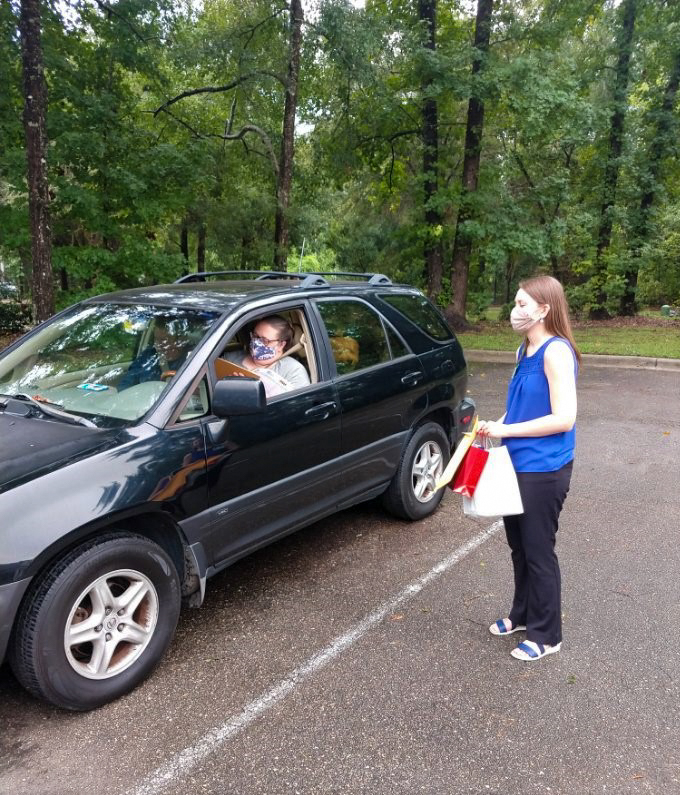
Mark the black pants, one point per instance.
(531, 536)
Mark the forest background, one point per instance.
(457, 146)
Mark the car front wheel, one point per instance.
(411, 493)
(97, 622)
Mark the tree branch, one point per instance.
(219, 89)
(250, 32)
(389, 138)
(252, 128)
(228, 125)
(229, 136)
(113, 13)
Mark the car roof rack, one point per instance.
(307, 279)
(371, 278)
(201, 276)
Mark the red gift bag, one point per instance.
(469, 472)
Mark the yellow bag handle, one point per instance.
(458, 456)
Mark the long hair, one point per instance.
(545, 289)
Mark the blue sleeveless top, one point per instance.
(529, 398)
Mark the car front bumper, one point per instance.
(10, 597)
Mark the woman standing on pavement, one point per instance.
(538, 430)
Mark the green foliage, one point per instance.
(14, 317)
(126, 177)
(662, 340)
(477, 304)
(504, 312)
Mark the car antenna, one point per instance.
(302, 251)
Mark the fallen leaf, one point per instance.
(397, 617)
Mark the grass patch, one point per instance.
(657, 339)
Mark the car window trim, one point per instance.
(175, 421)
(374, 368)
(381, 297)
(164, 409)
(389, 327)
(250, 313)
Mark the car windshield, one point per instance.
(107, 362)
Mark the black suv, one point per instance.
(136, 460)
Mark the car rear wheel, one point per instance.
(97, 622)
(411, 493)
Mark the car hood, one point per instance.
(30, 447)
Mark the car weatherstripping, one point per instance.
(144, 449)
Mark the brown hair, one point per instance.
(283, 328)
(545, 289)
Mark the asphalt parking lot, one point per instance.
(354, 656)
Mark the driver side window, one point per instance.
(274, 348)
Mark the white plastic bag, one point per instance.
(497, 493)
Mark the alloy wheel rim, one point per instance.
(428, 465)
(111, 624)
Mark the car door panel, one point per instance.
(379, 402)
(268, 471)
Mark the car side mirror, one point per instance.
(236, 395)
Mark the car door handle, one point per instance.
(321, 412)
(411, 379)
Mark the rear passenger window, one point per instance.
(356, 334)
(421, 312)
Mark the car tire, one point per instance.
(125, 592)
(411, 493)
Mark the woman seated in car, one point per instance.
(271, 337)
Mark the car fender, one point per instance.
(54, 512)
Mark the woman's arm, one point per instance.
(558, 365)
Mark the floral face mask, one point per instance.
(260, 351)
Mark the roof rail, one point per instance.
(201, 276)
(307, 279)
(279, 275)
(379, 278)
(371, 278)
(313, 280)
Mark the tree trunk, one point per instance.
(660, 147)
(462, 245)
(35, 129)
(281, 241)
(184, 245)
(427, 12)
(611, 173)
(200, 249)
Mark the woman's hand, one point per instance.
(495, 430)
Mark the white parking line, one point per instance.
(181, 763)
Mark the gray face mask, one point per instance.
(521, 321)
